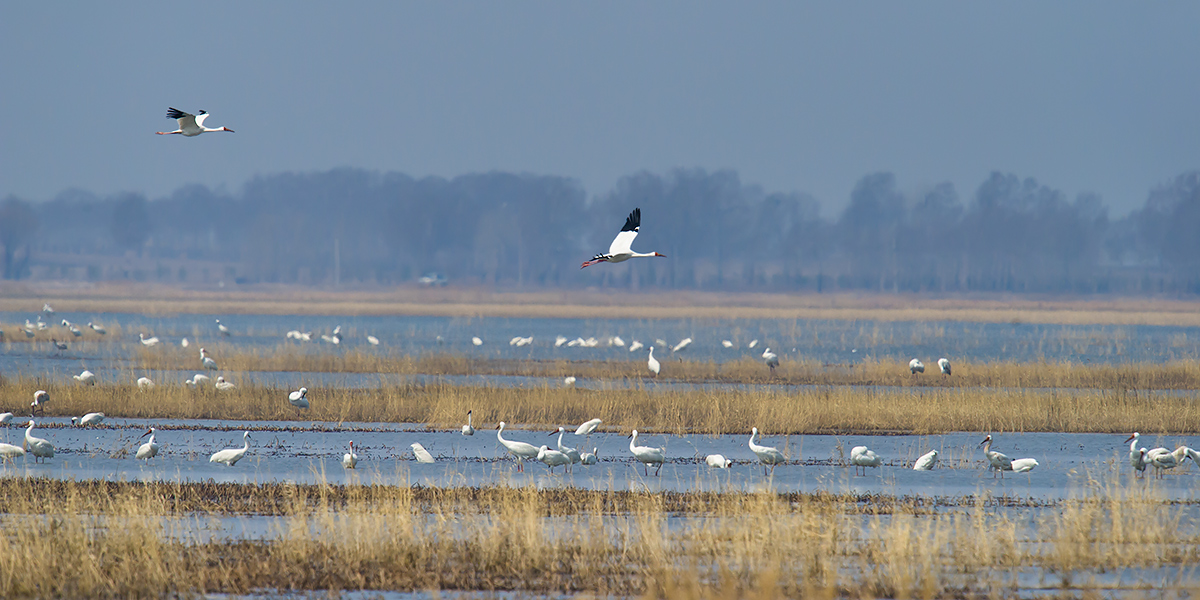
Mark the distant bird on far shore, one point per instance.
(771, 358)
(477, 341)
(148, 342)
(683, 344)
(189, 125)
(653, 364)
(207, 360)
(97, 328)
(621, 248)
(223, 329)
(374, 341)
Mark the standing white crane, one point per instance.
(771, 358)
(1137, 456)
(552, 458)
(862, 457)
(468, 429)
(519, 450)
(996, 460)
(350, 459)
(148, 450)
(40, 397)
(944, 365)
(190, 125)
(652, 363)
(647, 455)
(620, 250)
(144, 383)
(38, 447)
(916, 366)
(299, 398)
(767, 455)
(223, 329)
(572, 453)
(207, 360)
(927, 461)
(230, 456)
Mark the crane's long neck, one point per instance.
(152, 439)
(633, 441)
(1133, 446)
(468, 418)
(987, 448)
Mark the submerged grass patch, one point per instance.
(826, 409)
(109, 539)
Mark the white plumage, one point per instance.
(230, 456)
(683, 344)
(647, 455)
(588, 458)
(144, 383)
(38, 447)
(149, 449)
(190, 125)
(423, 455)
(927, 461)
(767, 455)
(350, 459)
(148, 342)
(207, 360)
(97, 328)
(996, 460)
(588, 427)
(621, 248)
(197, 380)
(944, 365)
(86, 377)
(862, 457)
(717, 461)
(519, 450)
(771, 359)
(94, 418)
(916, 366)
(9, 452)
(299, 398)
(223, 386)
(552, 458)
(468, 429)
(636, 345)
(652, 363)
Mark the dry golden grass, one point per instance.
(1175, 375)
(477, 302)
(92, 539)
(806, 411)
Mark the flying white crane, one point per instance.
(350, 459)
(86, 377)
(588, 427)
(559, 341)
(468, 429)
(647, 455)
(46, 309)
(223, 329)
(635, 346)
(652, 363)
(477, 341)
(519, 450)
(94, 418)
(423, 455)
(230, 456)
(148, 450)
(620, 250)
(727, 343)
(916, 366)
(299, 398)
(207, 360)
(144, 383)
(374, 341)
(38, 447)
(752, 344)
(767, 455)
(184, 342)
(771, 358)
(223, 386)
(190, 125)
(862, 457)
(717, 461)
(148, 342)
(944, 365)
(682, 345)
(97, 328)
(927, 461)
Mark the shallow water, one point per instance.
(832, 342)
(1069, 464)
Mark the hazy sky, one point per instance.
(1085, 96)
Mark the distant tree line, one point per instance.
(360, 227)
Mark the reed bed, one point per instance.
(73, 539)
(484, 302)
(818, 410)
(1174, 375)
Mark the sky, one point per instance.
(1099, 97)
